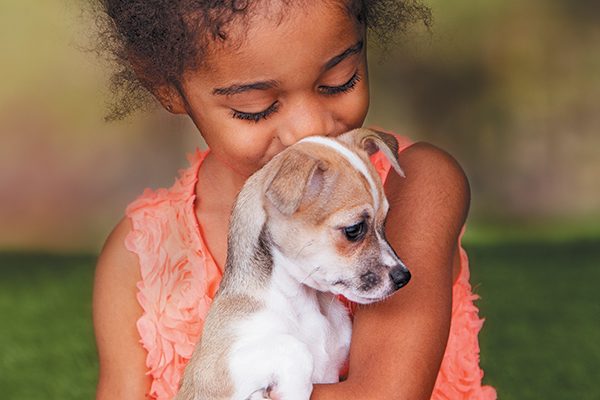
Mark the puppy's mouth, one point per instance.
(366, 299)
(340, 283)
(344, 288)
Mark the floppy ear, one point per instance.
(299, 175)
(371, 140)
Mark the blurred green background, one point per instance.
(510, 88)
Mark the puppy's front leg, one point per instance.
(280, 362)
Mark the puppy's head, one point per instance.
(325, 214)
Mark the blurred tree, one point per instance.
(511, 89)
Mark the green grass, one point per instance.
(541, 339)
(46, 340)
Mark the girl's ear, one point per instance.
(171, 99)
(167, 94)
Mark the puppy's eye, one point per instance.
(355, 232)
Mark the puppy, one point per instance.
(307, 227)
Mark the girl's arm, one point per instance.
(116, 310)
(397, 345)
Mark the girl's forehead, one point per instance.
(280, 11)
(312, 32)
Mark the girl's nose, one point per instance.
(306, 118)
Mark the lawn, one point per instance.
(541, 302)
(46, 340)
(541, 339)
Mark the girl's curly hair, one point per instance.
(153, 42)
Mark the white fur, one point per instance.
(301, 336)
(352, 158)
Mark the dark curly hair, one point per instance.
(153, 42)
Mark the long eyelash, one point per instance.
(255, 117)
(328, 90)
(346, 87)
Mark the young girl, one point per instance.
(255, 77)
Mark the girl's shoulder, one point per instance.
(120, 356)
(424, 159)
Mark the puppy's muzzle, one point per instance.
(399, 276)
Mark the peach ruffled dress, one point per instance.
(179, 278)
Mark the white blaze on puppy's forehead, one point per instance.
(351, 157)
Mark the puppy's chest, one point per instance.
(321, 326)
(319, 321)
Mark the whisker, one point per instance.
(308, 244)
(315, 269)
(333, 298)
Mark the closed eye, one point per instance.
(255, 117)
(346, 87)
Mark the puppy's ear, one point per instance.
(299, 175)
(371, 140)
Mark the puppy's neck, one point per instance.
(290, 296)
(288, 280)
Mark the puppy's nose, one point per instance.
(399, 276)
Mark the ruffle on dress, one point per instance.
(179, 278)
(460, 375)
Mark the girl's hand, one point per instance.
(398, 345)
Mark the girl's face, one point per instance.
(301, 75)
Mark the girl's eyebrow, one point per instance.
(266, 85)
(347, 53)
(244, 87)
